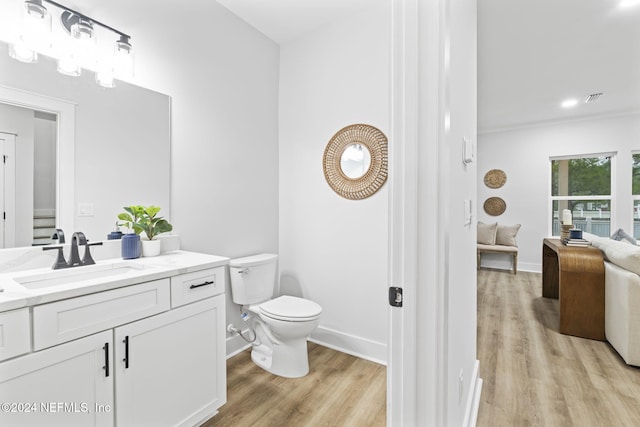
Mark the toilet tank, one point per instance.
(253, 278)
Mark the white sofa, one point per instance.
(622, 296)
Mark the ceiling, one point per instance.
(532, 54)
(285, 20)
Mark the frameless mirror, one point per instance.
(104, 137)
(355, 161)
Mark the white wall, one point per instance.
(460, 268)
(222, 76)
(524, 155)
(333, 250)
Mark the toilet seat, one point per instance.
(291, 309)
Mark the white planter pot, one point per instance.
(150, 247)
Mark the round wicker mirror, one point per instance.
(360, 148)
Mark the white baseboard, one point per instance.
(336, 340)
(530, 267)
(236, 344)
(505, 264)
(350, 344)
(473, 398)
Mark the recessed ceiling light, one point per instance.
(629, 3)
(569, 103)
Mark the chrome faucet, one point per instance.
(78, 238)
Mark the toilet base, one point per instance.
(285, 359)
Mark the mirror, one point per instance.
(104, 140)
(27, 175)
(355, 161)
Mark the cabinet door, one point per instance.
(170, 368)
(67, 385)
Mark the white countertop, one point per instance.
(16, 295)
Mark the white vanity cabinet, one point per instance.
(66, 385)
(151, 353)
(170, 368)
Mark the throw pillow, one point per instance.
(487, 233)
(621, 234)
(506, 235)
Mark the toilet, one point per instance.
(281, 325)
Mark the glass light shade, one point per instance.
(123, 58)
(105, 78)
(22, 53)
(83, 31)
(36, 26)
(84, 46)
(69, 67)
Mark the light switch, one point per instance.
(85, 209)
(467, 212)
(467, 150)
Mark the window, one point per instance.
(583, 185)
(635, 194)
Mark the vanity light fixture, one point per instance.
(74, 44)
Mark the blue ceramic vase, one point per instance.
(130, 246)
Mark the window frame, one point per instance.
(611, 197)
(634, 197)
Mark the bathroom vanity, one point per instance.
(126, 343)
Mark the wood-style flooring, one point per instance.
(340, 390)
(535, 376)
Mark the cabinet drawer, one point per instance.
(15, 335)
(66, 320)
(190, 287)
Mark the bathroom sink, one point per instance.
(77, 274)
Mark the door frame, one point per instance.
(66, 116)
(417, 362)
(8, 189)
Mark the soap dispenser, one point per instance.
(116, 234)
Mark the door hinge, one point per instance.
(395, 296)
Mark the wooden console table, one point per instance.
(575, 276)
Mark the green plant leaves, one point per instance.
(142, 218)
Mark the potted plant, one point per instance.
(145, 219)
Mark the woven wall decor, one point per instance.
(495, 178)
(366, 185)
(495, 206)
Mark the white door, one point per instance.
(171, 367)
(67, 385)
(7, 190)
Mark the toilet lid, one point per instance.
(291, 308)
